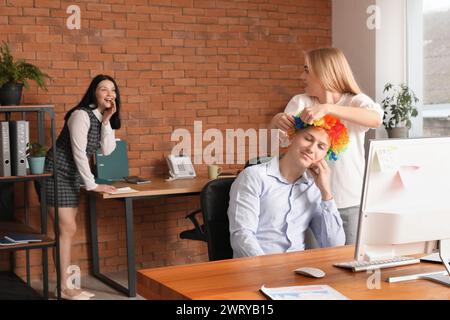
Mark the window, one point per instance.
(429, 62)
(436, 52)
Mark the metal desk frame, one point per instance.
(130, 291)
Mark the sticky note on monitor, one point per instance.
(387, 159)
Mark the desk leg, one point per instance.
(94, 236)
(130, 248)
(131, 290)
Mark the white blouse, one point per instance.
(79, 124)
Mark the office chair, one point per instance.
(198, 232)
(257, 160)
(214, 200)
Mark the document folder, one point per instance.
(18, 136)
(5, 154)
(113, 167)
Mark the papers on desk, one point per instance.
(123, 190)
(318, 292)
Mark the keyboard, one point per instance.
(357, 266)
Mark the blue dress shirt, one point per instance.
(268, 214)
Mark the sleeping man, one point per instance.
(273, 204)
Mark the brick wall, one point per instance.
(230, 64)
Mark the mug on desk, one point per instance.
(214, 171)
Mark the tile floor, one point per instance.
(92, 284)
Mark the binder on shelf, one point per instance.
(27, 139)
(18, 136)
(5, 154)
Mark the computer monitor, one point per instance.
(405, 203)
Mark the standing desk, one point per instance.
(242, 278)
(158, 188)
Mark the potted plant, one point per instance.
(36, 157)
(399, 108)
(14, 75)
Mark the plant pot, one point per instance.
(36, 164)
(402, 132)
(11, 94)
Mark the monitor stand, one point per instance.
(442, 277)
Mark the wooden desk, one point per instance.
(158, 188)
(242, 278)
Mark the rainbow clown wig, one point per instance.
(335, 129)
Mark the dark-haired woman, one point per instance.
(88, 126)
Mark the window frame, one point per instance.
(415, 66)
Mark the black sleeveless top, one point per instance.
(64, 157)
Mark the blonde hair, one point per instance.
(331, 67)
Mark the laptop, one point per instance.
(113, 167)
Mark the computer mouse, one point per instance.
(310, 272)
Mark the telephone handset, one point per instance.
(180, 167)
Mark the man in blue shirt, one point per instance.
(273, 204)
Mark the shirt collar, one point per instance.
(273, 170)
(96, 112)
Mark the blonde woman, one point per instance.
(331, 89)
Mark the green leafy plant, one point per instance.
(19, 71)
(399, 106)
(36, 150)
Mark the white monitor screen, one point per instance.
(405, 199)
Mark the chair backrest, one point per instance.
(257, 160)
(214, 199)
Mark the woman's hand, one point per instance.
(109, 111)
(321, 173)
(104, 188)
(309, 114)
(283, 121)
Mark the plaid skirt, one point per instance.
(68, 192)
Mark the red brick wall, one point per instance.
(231, 64)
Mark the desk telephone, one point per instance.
(180, 167)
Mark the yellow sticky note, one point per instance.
(387, 159)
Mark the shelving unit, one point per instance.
(23, 226)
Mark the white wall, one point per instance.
(390, 48)
(414, 56)
(351, 35)
(376, 56)
(390, 45)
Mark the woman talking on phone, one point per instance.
(88, 126)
